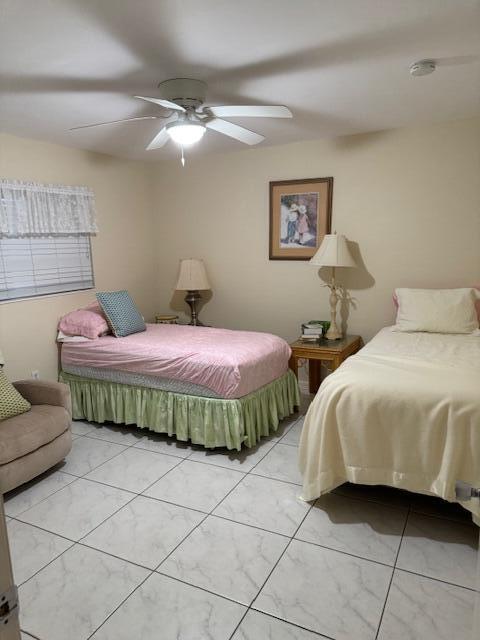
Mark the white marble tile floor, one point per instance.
(137, 537)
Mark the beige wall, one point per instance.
(122, 251)
(409, 197)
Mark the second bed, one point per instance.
(213, 387)
(403, 412)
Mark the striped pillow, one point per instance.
(122, 315)
(11, 402)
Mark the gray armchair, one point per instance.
(36, 440)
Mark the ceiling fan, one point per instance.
(190, 118)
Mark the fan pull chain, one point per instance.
(183, 157)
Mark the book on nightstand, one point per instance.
(311, 331)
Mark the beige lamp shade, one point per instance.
(333, 252)
(192, 276)
(2, 361)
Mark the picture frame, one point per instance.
(300, 217)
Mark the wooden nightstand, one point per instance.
(332, 351)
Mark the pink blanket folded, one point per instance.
(231, 363)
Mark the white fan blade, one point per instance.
(100, 124)
(234, 131)
(247, 111)
(162, 103)
(160, 139)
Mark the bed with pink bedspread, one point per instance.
(214, 387)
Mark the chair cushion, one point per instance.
(29, 431)
(23, 469)
(11, 402)
(122, 315)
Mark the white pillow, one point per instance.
(62, 337)
(437, 310)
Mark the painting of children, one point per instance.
(300, 215)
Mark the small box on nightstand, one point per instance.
(166, 319)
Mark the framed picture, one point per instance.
(300, 215)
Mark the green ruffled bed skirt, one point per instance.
(210, 422)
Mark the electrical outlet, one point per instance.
(35, 374)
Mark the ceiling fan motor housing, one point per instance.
(184, 91)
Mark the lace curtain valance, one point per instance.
(30, 209)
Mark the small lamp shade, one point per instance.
(192, 276)
(2, 360)
(333, 252)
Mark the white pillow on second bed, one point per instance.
(436, 310)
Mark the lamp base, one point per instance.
(333, 332)
(191, 299)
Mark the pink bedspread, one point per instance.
(231, 363)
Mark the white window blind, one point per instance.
(44, 265)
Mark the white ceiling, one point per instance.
(341, 66)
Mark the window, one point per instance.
(45, 234)
(39, 266)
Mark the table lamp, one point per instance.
(192, 279)
(333, 252)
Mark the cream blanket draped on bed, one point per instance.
(403, 412)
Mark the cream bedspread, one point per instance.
(403, 412)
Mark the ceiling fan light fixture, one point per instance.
(185, 133)
(422, 67)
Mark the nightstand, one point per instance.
(331, 351)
